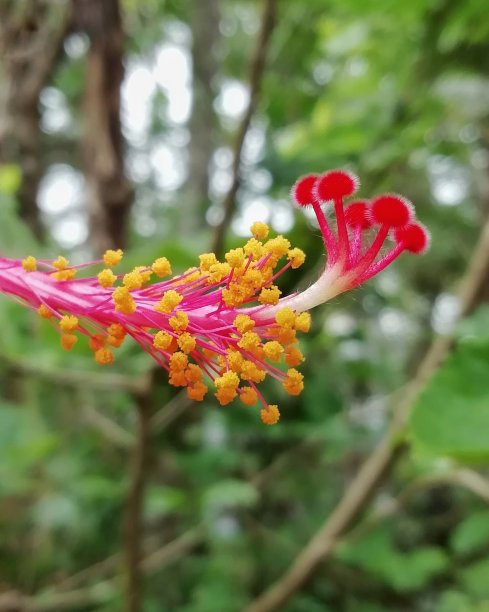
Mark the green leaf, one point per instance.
(475, 578)
(451, 417)
(407, 571)
(472, 533)
(10, 177)
(229, 494)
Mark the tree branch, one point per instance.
(378, 465)
(256, 71)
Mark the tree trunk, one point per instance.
(109, 191)
(31, 38)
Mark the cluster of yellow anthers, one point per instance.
(221, 321)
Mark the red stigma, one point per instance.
(302, 191)
(415, 238)
(391, 210)
(357, 215)
(336, 185)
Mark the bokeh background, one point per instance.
(167, 128)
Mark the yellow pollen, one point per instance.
(64, 275)
(114, 341)
(207, 260)
(270, 415)
(178, 362)
(293, 382)
(303, 322)
(286, 335)
(168, 301)
(104, 356)
(161, 267)
(254, 248)
(297, 257)
(177, 378)
(68, 341)
(179, 321)
(259, 230)
(162, 340)
(133, 280)
(186, 342)
(269, 295)
(61, 263)
(44, 312)
(116, 330)
(243, 323)
(273, 350)
(197, 391)
(248, 396)
(112, 258)
(225, 395)
(29, 264)
(249, 341)
(277, 246)
(68, 323)
(250, 371)
(285, 317)
(293, 356)
(193, 373)
(123, 300)
(217, 272)
(227, 380)
(235, 258)
(106, 278)
(235, 360)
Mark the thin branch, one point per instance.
(111, 430)
(256, 71)
(378, 465)
(170, 412)
(133, 525)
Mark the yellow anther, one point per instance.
(186, 342)
(207, 260)
(293, 382)
(218, 271)
(293, 356)
(286, 335)
(177, 378)
(96, 342)
(116, 330)
(162, 340)
(243, 323)
(115, 341)
(197, 391)
(193, 373)
(277, 246)
(235, 295)
(68, 323)
(112, 258)
(297, 257)
(273, 350)
(254, 248)
(285, 317)
(269, 295)
(225, 395)
(133, 280)
(259, 230)
(44, 312)
(178, 362)
(123, 300)
(235, 258)
(252, 278)
(168, 301)
(179, 321)
(64, 275)
(61, 263)
(29, 264)
(104, 356)
(106, 278)
(270, 415)
(68, 341)
(249, 341)
(235, 360)
(161, 267)
(303, 322)
(250, 371)
(227, 380)
(248, 396)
